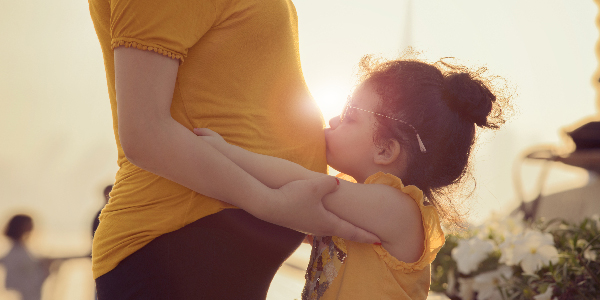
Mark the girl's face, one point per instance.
(350, 144)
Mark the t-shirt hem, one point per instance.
(143, 45)
(105, 265)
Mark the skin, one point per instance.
(145, 82)
(383, 210)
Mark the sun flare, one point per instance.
(331, 100)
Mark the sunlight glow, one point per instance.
(331, 100)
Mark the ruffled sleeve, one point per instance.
(166, 27)
(434, 236)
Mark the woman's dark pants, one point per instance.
(227, 255)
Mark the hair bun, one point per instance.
(468, 97)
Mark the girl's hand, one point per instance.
(299, 207)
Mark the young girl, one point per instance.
(406, 120)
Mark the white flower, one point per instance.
(465, 288)
(514, 224)
(595, 218)
(490, 226)
(534, 250)
(499, 226)
(507, 249)
(589, 253)
(546, 295)
(451, 288)
(469, 253)
(487, 284)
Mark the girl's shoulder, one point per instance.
(410, 246)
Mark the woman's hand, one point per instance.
(299, 206)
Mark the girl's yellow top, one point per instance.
(239, 75)
(341, 269)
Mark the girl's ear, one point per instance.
(388, 153)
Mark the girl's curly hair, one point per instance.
(444, 102)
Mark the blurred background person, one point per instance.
(25, 273)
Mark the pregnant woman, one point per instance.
(172, 229)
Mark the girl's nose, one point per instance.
(334, 122)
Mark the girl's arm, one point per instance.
(383, 210)
(154, 141)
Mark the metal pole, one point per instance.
(596, 76)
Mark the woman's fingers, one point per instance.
(304, 211)
(209, 136)
(336, 226)
(348, 231)
(332, 223)
(204, 132)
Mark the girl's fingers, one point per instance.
(201, 131)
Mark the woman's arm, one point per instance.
(380, 209)
(154, 141)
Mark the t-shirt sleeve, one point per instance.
(166, 27)
(434, 236)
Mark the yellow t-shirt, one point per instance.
(342, 269)
(239, 75)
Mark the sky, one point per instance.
(58, 150)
